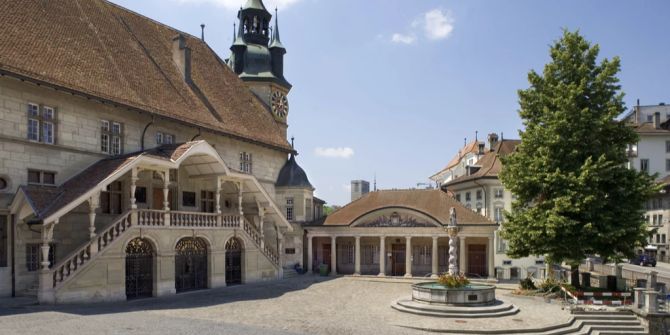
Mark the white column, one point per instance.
(309, 254)
(434, 258)
(408, 256)
(489, 258)
(462, 255)
(239, 197)
(45, 293)
(93, 204)
(133, 201)
(261, 215)
(357, 264)
(133, 187)
(280, 246)
(382, 256)
(218, 202)
(333, 256)
(166, 193)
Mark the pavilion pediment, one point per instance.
(395, 219)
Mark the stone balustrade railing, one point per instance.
(69, 265)
(193, 219)
(179, 219)
(150, 217)
(255, 235)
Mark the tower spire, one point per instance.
(276, 40)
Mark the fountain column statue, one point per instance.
(452, 230)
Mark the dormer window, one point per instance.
(163, 138)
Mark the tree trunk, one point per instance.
(574, 275)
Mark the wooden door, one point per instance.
(398, 260)
(158, 199)
(477, 260)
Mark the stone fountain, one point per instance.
(470, 301)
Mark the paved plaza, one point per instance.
(303, 305)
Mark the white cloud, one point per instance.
(236, 4)
(438, 24)
(403, 38)
(344, 152)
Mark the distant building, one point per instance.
(359, 188)
(471, 177)
(652, 154)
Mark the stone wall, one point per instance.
(103, 279)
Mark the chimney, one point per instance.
(181, 55)
(493, 140)
(657, 120)
(637, 112)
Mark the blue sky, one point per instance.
(392, 87)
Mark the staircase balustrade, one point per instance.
(153, 218)
(255, 235)
(75, 260)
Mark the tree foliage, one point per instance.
(575, 195)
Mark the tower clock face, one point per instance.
(279, 104)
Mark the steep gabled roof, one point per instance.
(472, 147)
(490, 163)
(435, 203)
(97, 49)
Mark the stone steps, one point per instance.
(582, 323)
(498, 310)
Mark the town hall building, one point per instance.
(135, 162)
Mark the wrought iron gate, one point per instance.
(139, 269)
(190, 265)
(233, 262)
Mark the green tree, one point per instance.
(575, 196)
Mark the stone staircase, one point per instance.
(597, 323)
(582, 323)
(70, 265)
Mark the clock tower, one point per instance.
(257, 57)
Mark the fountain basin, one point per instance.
(471, 295)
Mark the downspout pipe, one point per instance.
(144, 132)
(197, 135)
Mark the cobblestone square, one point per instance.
(302, 305)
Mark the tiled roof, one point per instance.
(98, 49)
(490, 163)
(435, 203)
(46, 200)
(648, 128)
(472, 147)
